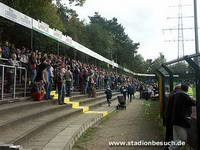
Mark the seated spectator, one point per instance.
(38, 91)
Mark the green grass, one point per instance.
(151, 112)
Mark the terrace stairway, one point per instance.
(45, 125)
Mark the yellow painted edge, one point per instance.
(76, 105)
(104, 113)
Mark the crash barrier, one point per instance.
(4, 69)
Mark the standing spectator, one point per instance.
(76, 76)
(181, 119)
(6, 51)
(131, 91)
(68, 78)
(108, 93)
(33, 67)
(81, 80)
(124, 90)
(60, 85)
(47, 81)
(1, 53)
(13, 49)
(90, 84)
(40, 68)
(85, 81)
(1, 50)
(146, 92)
(11, 72)
(141, 89)
(169, 126)
(94, 86)
(105, 80)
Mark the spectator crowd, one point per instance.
(48, 71)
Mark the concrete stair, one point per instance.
(36, 125)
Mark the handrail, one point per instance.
(15, 76)
(5, 59)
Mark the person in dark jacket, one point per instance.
(131, 91)
(40, 70)
(124, 91)
(141, 89)
(181, 115)
(108, 93)
(169, 126)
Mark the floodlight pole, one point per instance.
(196, 28)
(197, 71)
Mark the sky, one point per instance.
(144, 21)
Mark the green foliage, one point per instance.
(106, 37)
(180, 68)
(153, 65)
(110, 38)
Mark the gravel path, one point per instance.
(126, 125)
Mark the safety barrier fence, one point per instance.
(4, 69)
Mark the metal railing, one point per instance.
(20, 64)
(15, 78)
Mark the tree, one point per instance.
(156, 63)
(118, 44)
(180, 68)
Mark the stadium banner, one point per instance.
(67, 40)
(41, 27)
(89, 52)
(15, 16)
(57, 34)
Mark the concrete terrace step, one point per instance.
(77, 97)
(85, 101)
(21, 130)
(26, 114)
(13, 101)
(8, 97)
(26, 102)
(64, 132)
(11, 113)
(17, 94)
(95, 104)
(32, 114)
(44, 125)
(27, 110)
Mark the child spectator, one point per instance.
(108, 93)
(38, 91)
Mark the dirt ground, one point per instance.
(140, 121)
